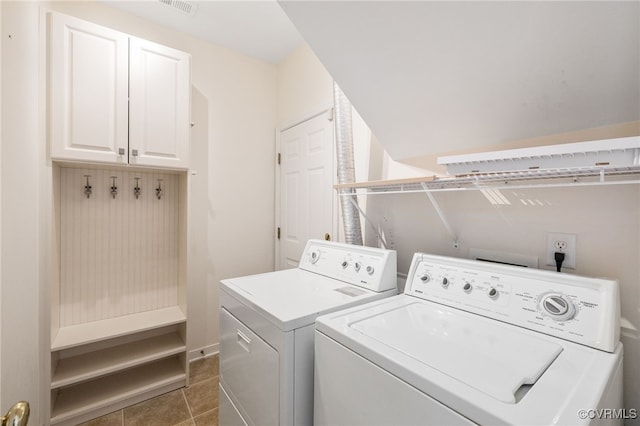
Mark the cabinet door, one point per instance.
(159, 108)
(88, 91)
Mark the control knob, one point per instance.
(493, 293)
(445, 282)
(370, 270)
(557, 306)
(467, 287)
(314, 256)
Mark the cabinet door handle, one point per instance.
(244, 341)
(134, 152)
(121, 151)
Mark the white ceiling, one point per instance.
(256, 28)
(440, 77)
(433, 77)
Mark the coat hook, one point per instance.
(136, 189)
(87, 187)
(159, 189)
(114, 188)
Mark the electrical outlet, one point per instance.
(565, 243)
(560, 245)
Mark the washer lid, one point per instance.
(293, 298)
(494, 359)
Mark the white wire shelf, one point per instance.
(535, 178)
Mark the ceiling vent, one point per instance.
(186, 7)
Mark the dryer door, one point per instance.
(249, 372)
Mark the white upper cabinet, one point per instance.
(115, 98)
(89, 88)
(158, 104)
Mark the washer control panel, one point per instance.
(583, 310)
(368, 267)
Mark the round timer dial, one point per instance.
(557, 306)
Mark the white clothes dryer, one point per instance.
(267, 328)
(474, 343)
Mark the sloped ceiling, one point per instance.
(256, 28)
(438, 77)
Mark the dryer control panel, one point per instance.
(580, 309)
(368, 267)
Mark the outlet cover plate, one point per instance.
(569, 254)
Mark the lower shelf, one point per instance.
(117, 390)
(91, 365)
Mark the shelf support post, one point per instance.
(443, 218)
(366, 218)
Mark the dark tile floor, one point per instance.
(196, 405)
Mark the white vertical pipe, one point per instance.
(346, 167)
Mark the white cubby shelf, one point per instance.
(101, 366)
(118, 293)
(83, 401)
(95, 331)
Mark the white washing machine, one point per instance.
(474, 343)
(267, 328)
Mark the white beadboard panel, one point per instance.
(118, 256)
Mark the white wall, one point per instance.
(21, 169)
(231, 211)
(605, 219)
(304, 87)
(1, 404)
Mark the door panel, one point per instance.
(159, 105)
(306, 187)
(292, 194)
(89, 85)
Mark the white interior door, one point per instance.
(306, 187)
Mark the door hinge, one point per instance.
(279, 159)
(278, 232)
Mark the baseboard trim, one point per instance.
(204, 352)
